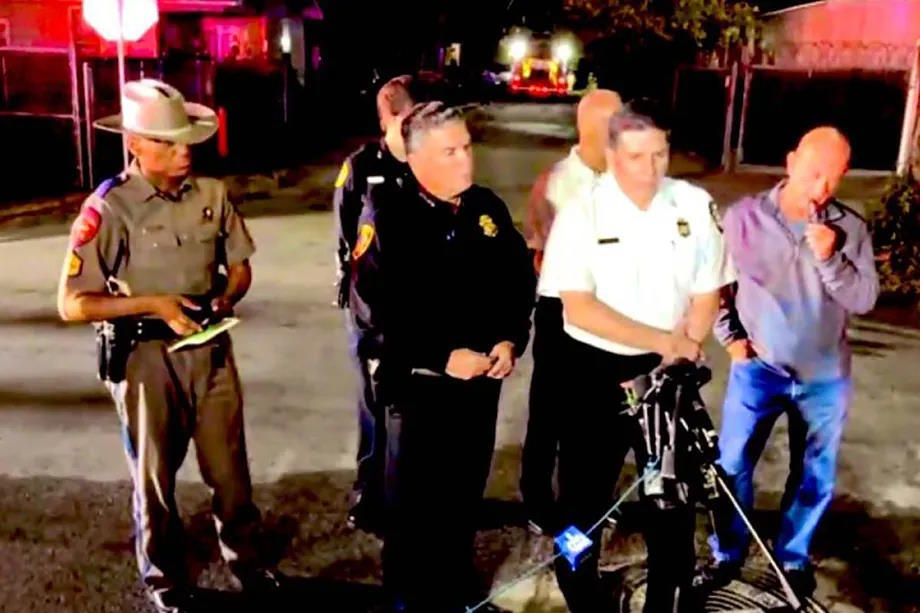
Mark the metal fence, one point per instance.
(703, 103)
(40, 121)
(867, 90)
(867, 106)
(49, 99)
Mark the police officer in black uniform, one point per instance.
(380, 162)
(444, 280)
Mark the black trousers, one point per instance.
(371, 425)
(440, 439)
(546, 397)
(594, 439)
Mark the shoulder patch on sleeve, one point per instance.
(86, 226)
(343, 175)
(74, 264)
(365, 237)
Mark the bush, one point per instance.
(896, 238)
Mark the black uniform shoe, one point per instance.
(538, 527)
(802, 581)
(716, 576)
(491, 608)
(172, 600)
(365, 514)
(540, 520)
(486, 608)
(259, 580)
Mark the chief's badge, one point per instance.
(365, 237)
(488, 226)
(683, 227)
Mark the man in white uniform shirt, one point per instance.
(638, 267)
(570, 180)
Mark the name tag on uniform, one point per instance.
(608, 241)
(375, 180)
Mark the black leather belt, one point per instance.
(151, 330)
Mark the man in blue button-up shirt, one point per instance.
(804, 264)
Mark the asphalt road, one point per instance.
(64, 491)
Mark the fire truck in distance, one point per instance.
(540, 67)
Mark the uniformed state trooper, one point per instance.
(638, 267)
(144, 263)
(376, 163)
(569, 180)
(445, 280)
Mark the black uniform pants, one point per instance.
(371, 425)
(546, 397)
(440, 438)
(594, 439)
(669, 537)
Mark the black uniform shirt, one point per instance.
(430, 277)
(371, 165)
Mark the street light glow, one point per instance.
(285, 38)
(563, 51)
(137, 16)
(518, 49)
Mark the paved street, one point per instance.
(64, 492)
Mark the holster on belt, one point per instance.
(116, 339)
(114, 343)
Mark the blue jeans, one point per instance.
(757, 394)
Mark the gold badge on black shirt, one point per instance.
(488, 226)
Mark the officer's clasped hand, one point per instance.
(502, 356)
(678, 346)
(466, 364)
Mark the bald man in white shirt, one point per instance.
(570, 180)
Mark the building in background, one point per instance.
(835, 62)
(57, 75)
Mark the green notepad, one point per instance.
(200, 338)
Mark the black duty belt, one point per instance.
(150, 330)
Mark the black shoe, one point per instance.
(540, 522)
(484, 608)
(802, 581)
(716, 576)
(491, 608)
(259, 580)
(172, 600)
(613, 521)
(537, 528)
(365, 514)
